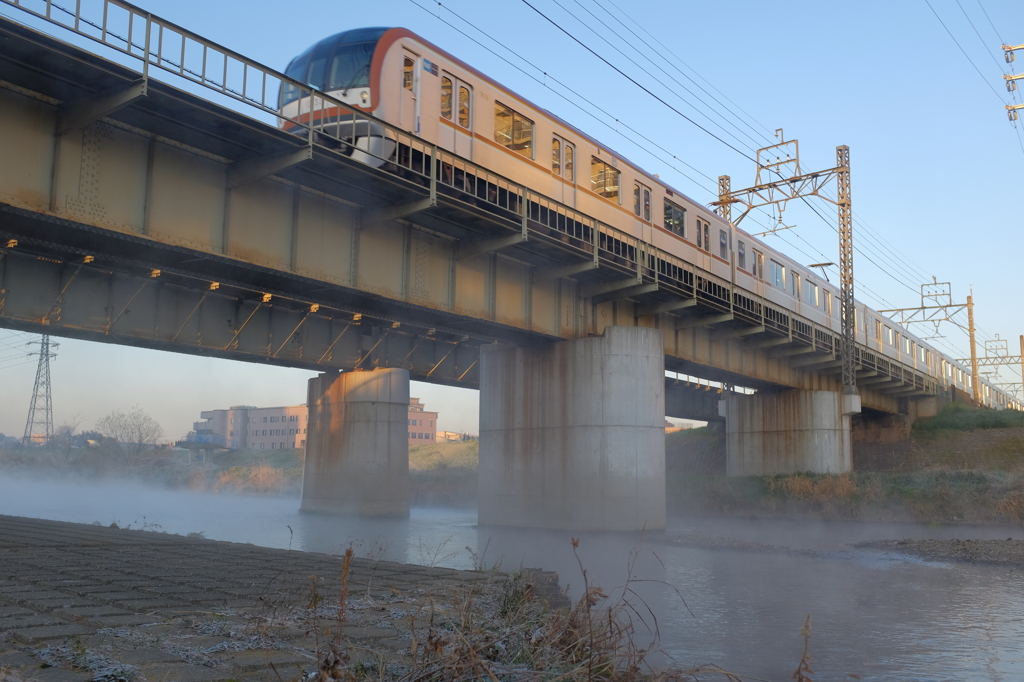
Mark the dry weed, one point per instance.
(817, 489)
(1011, 507)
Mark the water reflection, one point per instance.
(881, 616)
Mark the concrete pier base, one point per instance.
(357, 444)
(787, 432)
(572, 434)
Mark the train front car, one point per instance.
(340, 66)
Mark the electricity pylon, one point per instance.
(39, 425)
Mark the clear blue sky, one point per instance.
(937, 168)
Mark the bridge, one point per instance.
(135, 211)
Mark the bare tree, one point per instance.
(62, 445)
(129, 434)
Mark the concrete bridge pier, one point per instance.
(787, 432)
(572, 434)
(357, 443)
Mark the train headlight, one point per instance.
(364, 95)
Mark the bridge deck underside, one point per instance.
(275, 269)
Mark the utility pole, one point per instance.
(846, 270)
(975, 384)
(40, 409)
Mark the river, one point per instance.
(877, 615)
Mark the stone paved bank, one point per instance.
(81, 602)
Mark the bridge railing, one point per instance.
(329, 123)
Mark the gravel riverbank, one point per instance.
(1007, 552)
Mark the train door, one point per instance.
(456, 116)
(408, 114)
(563, 171)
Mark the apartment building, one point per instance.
(422, 424)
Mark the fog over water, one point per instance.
(878, 615)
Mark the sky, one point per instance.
(915, 89)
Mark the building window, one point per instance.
(604, 179)
(777, 274)
(675, 218)
(264, 420)
(513, 130)
(741, 255)
(303, 442)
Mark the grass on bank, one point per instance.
(964, 417)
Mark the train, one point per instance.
(400, 78)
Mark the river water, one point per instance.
(877, 615)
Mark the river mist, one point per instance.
(747, 584)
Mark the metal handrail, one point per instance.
(219, 69)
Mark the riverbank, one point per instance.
(81, 603)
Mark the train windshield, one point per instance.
(336, 63)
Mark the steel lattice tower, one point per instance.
(40, 408)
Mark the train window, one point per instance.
(642, 201)
(675, 218)
(794, 285)
(741, 255)
(350, 66)
(700, 234)
(464, 106)
(758, 264)
(723, 244)
(570, 165)
(878, 330)
(811, 293)
(890, 337)
(407, 67)
(604, 179)
(556, 156)
(828, 303)
(446, 97)
(513, 130)
(777, 274)
(297, 71)
(707, 236)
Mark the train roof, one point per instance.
(391, 35)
